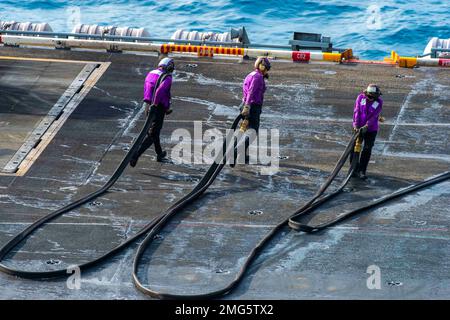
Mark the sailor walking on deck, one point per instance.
(157, 105)
(366, 115)
(253, 97)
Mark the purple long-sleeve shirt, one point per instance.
(367, 112)
(254, 88)
(162, 95)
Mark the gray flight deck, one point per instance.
(28, 90)
(203, 247)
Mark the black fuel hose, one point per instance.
(11, 244)
(317, 200)
(216, 168)
(255, 251)
(156, 224)
(314, 203)
(345, 215)
(17, 239)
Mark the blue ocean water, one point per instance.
(370, 28)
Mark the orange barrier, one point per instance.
(202, 51)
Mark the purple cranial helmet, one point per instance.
(372, 91)
(262, 61)
(167, 65)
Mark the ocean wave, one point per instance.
(372, 28)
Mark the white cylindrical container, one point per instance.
(111, 30)
(25, 26)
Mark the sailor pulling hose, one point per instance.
(157, 105)
(366, 115)
(253, 97)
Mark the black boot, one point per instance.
(365, 158)
(133, 162)
(161, 157)
(362, 175)
(355, 174)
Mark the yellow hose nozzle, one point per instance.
(358, 145)
(244, 125)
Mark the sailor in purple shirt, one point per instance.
(157, 105)
(252, 100)
(366, 115)
(253, 93)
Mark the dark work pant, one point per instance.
(369, 141)
(254, 117)
(158, 113)
(253, 123)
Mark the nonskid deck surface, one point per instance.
(29, 89)
(203, 247)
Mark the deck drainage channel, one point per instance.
(53, 262)
(255, 212)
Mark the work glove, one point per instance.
(381, 119)
(245, 111)
(169, 111)
(147, 108)
(364, 129)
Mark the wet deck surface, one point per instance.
(28, 89)
(203, 247)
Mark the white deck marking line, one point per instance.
(416, 89)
